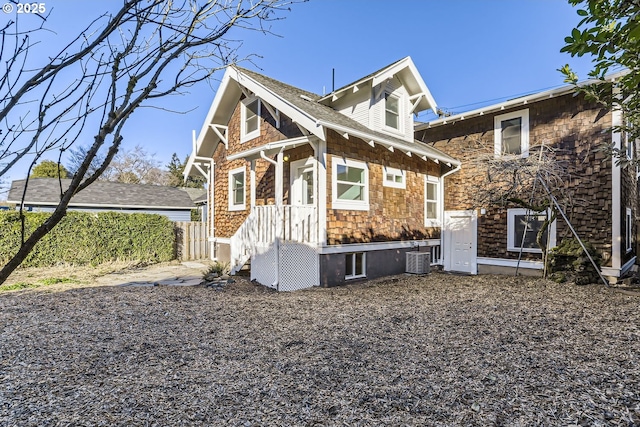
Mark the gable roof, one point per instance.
(406, 71)
(46, 192)
(304, 108)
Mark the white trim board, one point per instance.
(376, 246)
(513, 263)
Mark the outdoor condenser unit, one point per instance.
(418, 262)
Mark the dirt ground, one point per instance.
(406, 350)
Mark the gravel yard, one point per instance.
(434, 350)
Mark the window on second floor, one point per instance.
(391, 111)
(511, 134)
(250, 119)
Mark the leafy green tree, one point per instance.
(49, 169)
(176, 174)
(609, 32)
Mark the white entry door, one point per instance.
(460, 246)
(303, 189)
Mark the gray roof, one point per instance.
(325, 113)
(46, 191)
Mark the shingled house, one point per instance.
(576, 130)
(320, 190)
(43, 194)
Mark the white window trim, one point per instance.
(400, 112)
(629, 229)
(433, 222)
(244, 137)
(524, 132)
(348, 276)
(356, 205)
(232, 206)
(513, 246)
(395, 172)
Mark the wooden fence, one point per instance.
(191, 240)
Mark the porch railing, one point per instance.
(265, 224)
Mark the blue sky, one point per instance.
(469, 52)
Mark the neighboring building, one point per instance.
(320, 190)
(43, 194)
(605, 194)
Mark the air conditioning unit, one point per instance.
(418, 262)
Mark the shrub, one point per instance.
(90, 238)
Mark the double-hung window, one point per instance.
(432, 201)
(237, 189)
(391, 111)
(350, 187)
(523, 226)
(250, 119)
(511, 134)
(355, 265)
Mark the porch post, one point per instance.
(279, 178)
(252, 177)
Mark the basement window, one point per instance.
(355, 265)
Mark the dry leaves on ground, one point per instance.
(433, 350)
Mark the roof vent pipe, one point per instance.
(333, 80)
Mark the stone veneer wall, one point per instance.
(574, 127)
(394, 214)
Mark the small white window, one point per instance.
(394, 177)
(355, 265)
(511, 134)
(523, 226)
(250, 119)
(237, 189)
(628, 142)
(391, 111)
(350, 187)
(628, 235)
(432, 201)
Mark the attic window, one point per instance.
(391, 111)
(250, 119)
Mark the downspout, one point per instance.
(442, 177)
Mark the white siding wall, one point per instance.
(356, 106)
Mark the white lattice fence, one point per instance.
(263, 265)
(299, 267)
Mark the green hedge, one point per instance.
(90, 238)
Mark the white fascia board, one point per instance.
(410, 147)
(296, 114)
(551, 93)
(255, 152)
